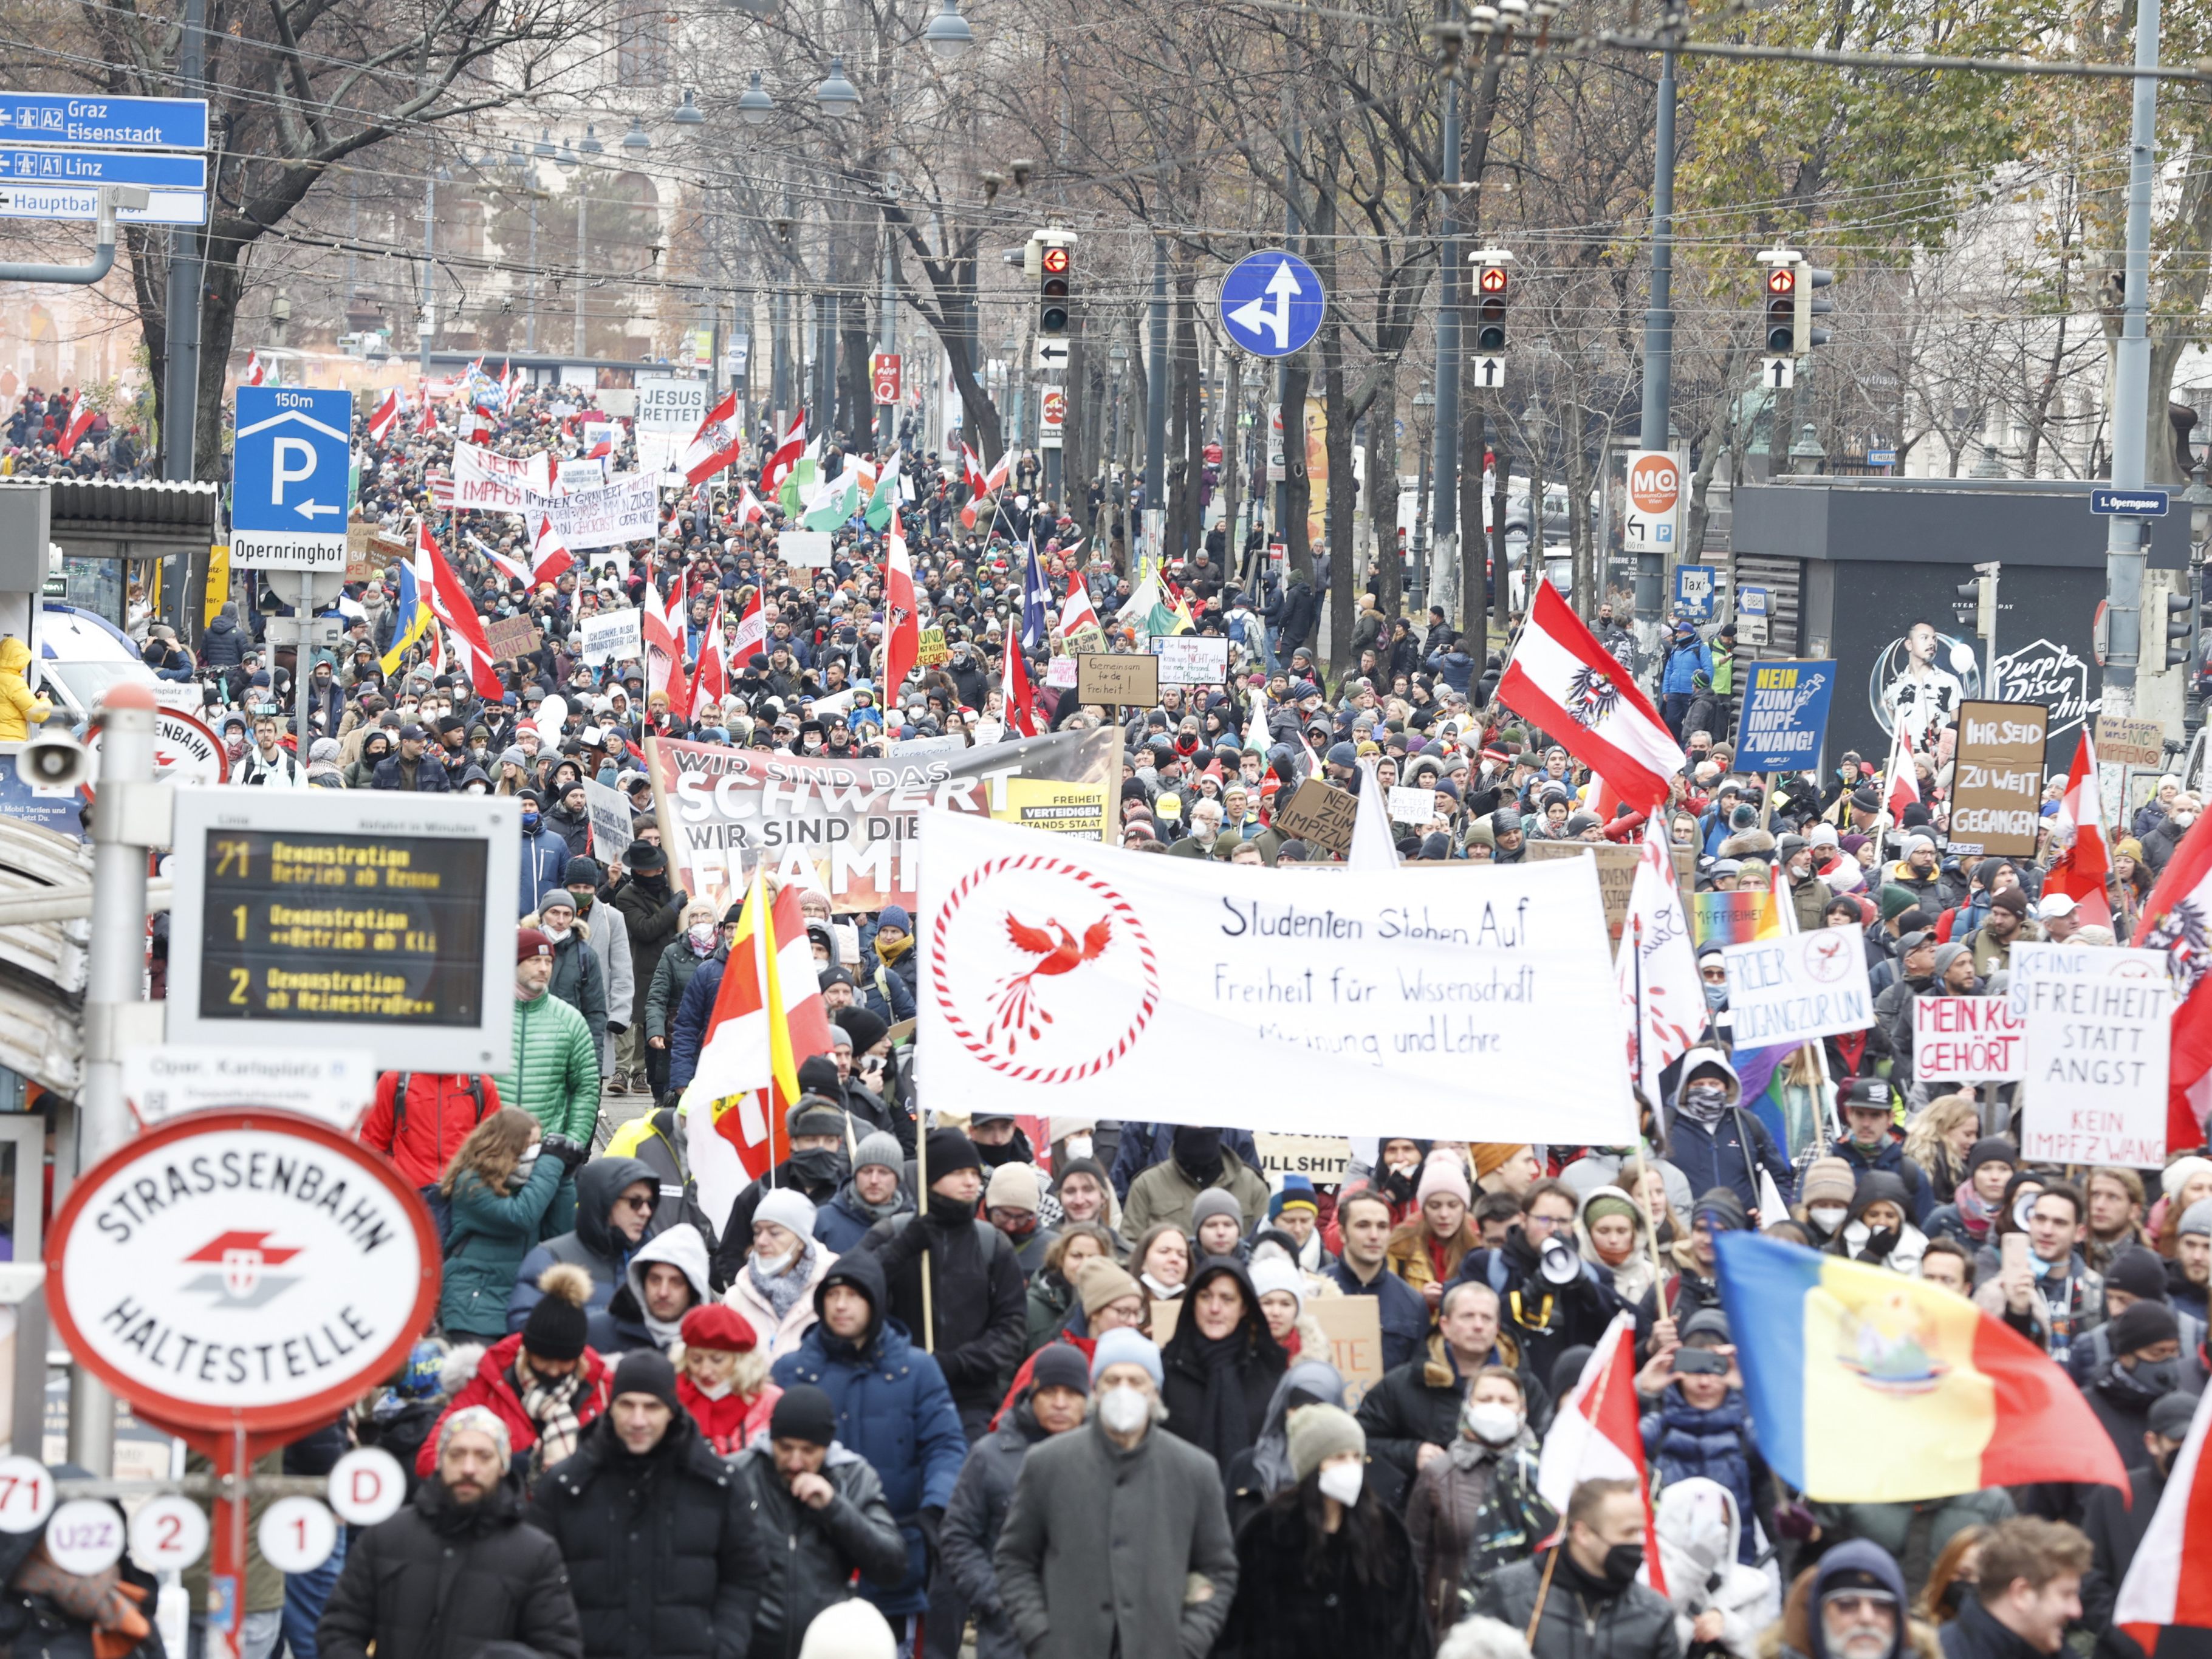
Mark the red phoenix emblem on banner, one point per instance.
(1057, 960)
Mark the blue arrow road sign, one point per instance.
(290, 461)
(1271, 303)
(89, 168)
(52, 117)
(2128, 503)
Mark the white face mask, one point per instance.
(1827, 1216)
(1493, 1425)
(1078, 1145)
(556, 934)
(1342, 1481)
(1123, 1410)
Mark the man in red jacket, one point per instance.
(419, 1121)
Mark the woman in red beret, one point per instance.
(723, 1381)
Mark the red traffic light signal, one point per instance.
(1053, 261)
(1782, 279)
(1494, 279)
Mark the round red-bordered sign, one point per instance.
(995, 1045)
(249, 1269)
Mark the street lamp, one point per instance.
(635, 142)
(754, 104)
(948, 34)
(837, 95)
(688, 113)
(1807, 457)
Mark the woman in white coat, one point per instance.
(775, 1290)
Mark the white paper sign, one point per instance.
(1061, 672)
(628, 509)
(1191, 659)
(616, 634)
(665, 404)
(1055, 963)
(583, 474)
(1414, 806)
(2029, 958)
(2094, 1090)
(610, 821)
(1967, 1040)
(809, 548)
(1789, 990)
(485, 481)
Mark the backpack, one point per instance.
(442, 1214)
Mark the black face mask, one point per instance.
(993, 1157)
(949, 1212)
(1199, 1152)
(820, 1166)
(1621, 1563)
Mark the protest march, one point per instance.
(1043, 1113)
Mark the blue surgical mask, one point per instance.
(530, 820)
(1715, 995)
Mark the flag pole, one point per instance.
(921, 1207)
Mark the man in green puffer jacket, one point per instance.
(556, 1074)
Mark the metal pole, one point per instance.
(182, 373)
(583, 204)
(1443, 478)
(114, 980)
(1156, 392)
(887, 339)
(1659, 318)
(302, 668)
(1293, 146)
(780, 349)
(428, 325)
(530, 320)
(2124, 537)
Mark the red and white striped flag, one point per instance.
(750, 510)
(1597, 1435)
(1561, 678)
(79, 422)
(450, 603)
(1078, 612)
(1902, 787)
(716, 444)
(2177, 919)
(254, 372)
(386, 416)
(1656, 969)
(992, 480)
(710, 680)
(1020, 697)
(902, 623)
(2079, 830)
(2161, 1589)
(426, 419)
(786, 455)
(752, 632)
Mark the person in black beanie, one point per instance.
(2136, 1275)
(978, 1300)
(2145, 1367)
(825, 1518)
(652, 909)
(657, 1533)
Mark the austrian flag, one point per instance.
(1561, 678)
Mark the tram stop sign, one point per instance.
(241, 1270)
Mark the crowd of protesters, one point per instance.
(1060, 1390)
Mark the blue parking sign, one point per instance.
(1785, 714)
(291, 462)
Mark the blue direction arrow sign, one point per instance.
(87, 169)
(1272, 303)
(52, 117)
(290, 461)
(2128, 503)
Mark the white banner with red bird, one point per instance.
(1470, 1004)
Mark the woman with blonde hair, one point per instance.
(1938, 1140)
(497, 1189)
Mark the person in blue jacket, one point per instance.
(545, 854)
(687, 1028)
(1714, 1142)
(1687, 656)
(894, 1408)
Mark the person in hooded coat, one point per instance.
(1165, 1192)
(1263, 1469)
(607, 1232)
(1879, 1231)
(816, 1171)
(1717, 1599)
(642, 1315)
(893, 1409)
(1222, 1363)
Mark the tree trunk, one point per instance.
(1383, 492)
(1298, 551)
(1474, 579)
(1577, 479)
(1343, 582)
(221, 282)
(1232, 407)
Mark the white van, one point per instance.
(82, 653)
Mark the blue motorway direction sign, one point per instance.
(55, 118)
(2128, 503)
(1272, 303)
(90, 169)
(290, 461)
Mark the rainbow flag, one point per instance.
(1732, 918)
(1871, 1387)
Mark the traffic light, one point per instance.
(1803, 336)
(1493, 286)
(1983, 590)
(2180, 628)
(1781, 310)
(1055, 267)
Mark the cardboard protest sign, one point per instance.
(2130, 743)
(1354, 1325)
(930, 649)
(1117, 679)
(1616, 876)
(2098, 1046)
(1295, 1002)
(613, 633)
(1997, 782)
(513, 637)
(1318, 815)
(1797, 986)
(1967, 1040)
(1320, 1158)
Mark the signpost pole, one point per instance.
(302, 668)
(114, 979)
(226, 1572)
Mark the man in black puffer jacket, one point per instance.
(821, 1513)
(456, 1569)
(657, 1531)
